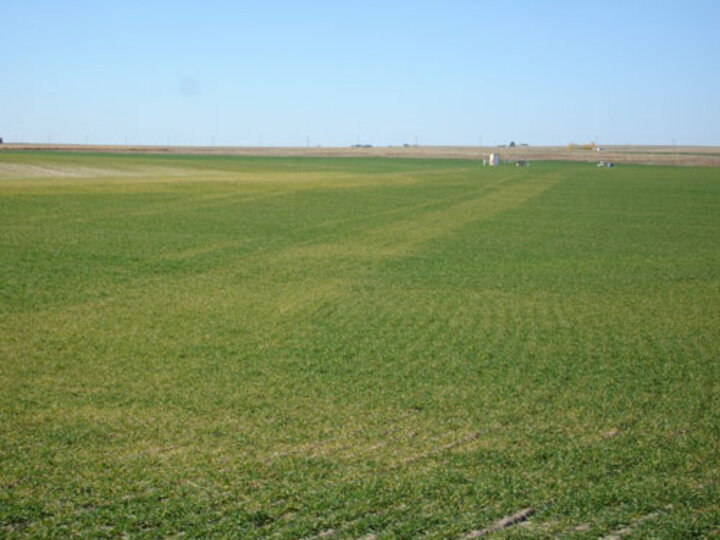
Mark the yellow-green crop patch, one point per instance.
(348, 348)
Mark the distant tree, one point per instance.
(512, 144)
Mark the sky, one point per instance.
(337, 73)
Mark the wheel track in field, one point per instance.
(406, 235)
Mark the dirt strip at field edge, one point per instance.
(646, 155)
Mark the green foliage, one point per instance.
(253, 347)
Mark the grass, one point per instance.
(347, 348)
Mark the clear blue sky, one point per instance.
(341, 72)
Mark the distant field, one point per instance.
(648, 155)
(368, 348)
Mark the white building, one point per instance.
(494, 159)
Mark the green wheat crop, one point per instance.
(349, 348)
